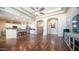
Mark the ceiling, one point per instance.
(46, 9)
(25, 13)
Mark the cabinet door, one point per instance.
(76, 45)
(72, 43)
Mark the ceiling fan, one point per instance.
(38, 10)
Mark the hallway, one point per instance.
(34, 43)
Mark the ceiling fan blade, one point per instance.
(37, 7)
(32, 8)
(42, 13)
(42, 9)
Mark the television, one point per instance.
(75, 24)
(66, 30)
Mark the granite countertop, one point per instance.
(21, 30)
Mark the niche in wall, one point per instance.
(52, 27)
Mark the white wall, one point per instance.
(20, 26)
(64, 21)
(61, 24)
(70, 14)
(10, 25)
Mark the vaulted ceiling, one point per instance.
(26, 13)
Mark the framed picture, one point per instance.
(53, 25)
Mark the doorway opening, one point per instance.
(40, 25)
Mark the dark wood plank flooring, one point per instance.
(34, 43)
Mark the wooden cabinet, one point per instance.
(2, 26)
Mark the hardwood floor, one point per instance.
(34, 43)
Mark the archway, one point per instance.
(52, 26)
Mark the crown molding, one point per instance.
(62, 11)
(27, 11)
(52, 14)
(49, 12)
(32, 17)
(23, 12)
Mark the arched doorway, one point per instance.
(40, 27)
(52, 26)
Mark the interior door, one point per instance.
(40, 27)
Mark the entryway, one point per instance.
(40, 27)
